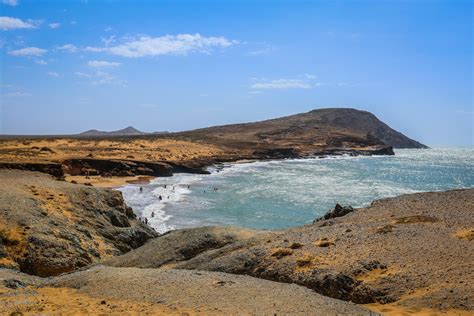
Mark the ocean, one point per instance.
(288, 193)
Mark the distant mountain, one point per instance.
(334, 127)
(128, 131)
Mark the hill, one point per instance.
(334, 127)
(128, 131)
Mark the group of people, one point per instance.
(145, 219)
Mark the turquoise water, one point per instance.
(280, 194)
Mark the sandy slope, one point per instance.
(150, 291)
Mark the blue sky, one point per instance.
(68, 66)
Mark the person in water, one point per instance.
(141, 189)
(160, 198)
(152, 214)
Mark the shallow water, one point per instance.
(280, 194)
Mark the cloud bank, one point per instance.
(28, 51)
(8, 23)
(180, 44)
(282, 84)
(102, 64)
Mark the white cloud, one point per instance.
(101, 77)
(93, 49)
(10, 2)
(180, 44)
(16, 94)
(81, 74)
(108, 40)
(28, 51)
(53, 74)
(41, 62)
(7, 23)
(68, 47)
(309, 76)
(282, 84)
(102, 64)
(54, 25)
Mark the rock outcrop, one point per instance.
(338, 211)
(48, 227)
(52, 168)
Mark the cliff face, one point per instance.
(48, 227)
(338, 127)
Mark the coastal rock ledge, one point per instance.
(48, 227)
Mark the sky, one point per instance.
(70, 66)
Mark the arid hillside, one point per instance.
(337, 127)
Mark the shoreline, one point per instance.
(114, 182)
(176, 212)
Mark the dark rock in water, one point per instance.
(338, 211)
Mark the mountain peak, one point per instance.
(127, 131)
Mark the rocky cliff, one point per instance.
(48, 227)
